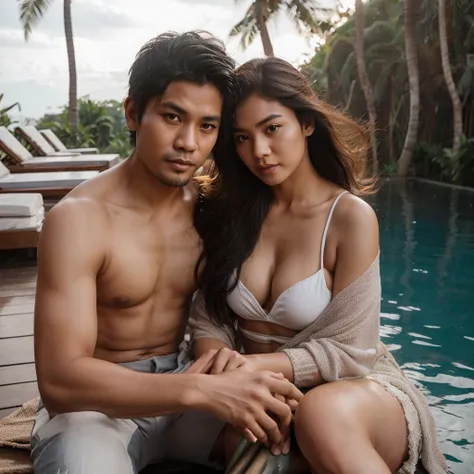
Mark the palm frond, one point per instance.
(247, 28)
(249, 37)
(31, 12)
(10, 107)
(247, 23)
(348, 71)
(307, 14)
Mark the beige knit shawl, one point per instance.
(343, 343)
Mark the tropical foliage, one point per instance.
(5, 118)
(101, 125)
(334, 75)
(308, 16)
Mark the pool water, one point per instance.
(427, 266)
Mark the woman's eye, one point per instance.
(240, 138)
(273, 128)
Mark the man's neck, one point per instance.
(146, 188)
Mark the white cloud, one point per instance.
(107, 36)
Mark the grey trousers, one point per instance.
(93, 443)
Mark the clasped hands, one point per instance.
(225, 360)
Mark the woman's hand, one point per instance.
(284, 446)
(226, 360)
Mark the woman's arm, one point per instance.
(345, 346)
(356, 231)
(206, 344)
(202, 327)
(277, 362)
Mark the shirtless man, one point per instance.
(115, 282)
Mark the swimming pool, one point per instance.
(427, 265)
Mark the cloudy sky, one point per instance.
(107, 35)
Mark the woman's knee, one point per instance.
(322, 424)
(327, 408)
(339, 422)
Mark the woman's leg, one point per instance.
(351, 427)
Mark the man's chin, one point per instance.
(173, 181)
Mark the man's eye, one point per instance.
(208, 126)
(172, 117)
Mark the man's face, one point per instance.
(177, 131)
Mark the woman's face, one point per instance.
(269, 139)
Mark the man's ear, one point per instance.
(130, 114)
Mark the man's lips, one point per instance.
(181, 165)
(182, 162)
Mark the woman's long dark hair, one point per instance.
(234, 202)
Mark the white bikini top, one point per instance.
(298, 306)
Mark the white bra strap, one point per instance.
(326, 227)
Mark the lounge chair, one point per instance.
(53, 184)
(58, 145)
(25, 162)
(21, 220)
(38, 143)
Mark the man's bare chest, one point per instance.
(148, 263)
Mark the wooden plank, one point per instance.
(15, 278)
(8, 292)
(16, 273)
(17, 394)
(18, 350)
(6, 411)
(16, 325)
(7, 281)
(19, 286)
(57, 193)
(13, 310)
(16, 300)
(6, 275)
(19, 270)
(17, 374)
(20, 289)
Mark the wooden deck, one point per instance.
(17, 371)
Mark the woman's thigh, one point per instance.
(360, 409)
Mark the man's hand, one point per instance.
(204, 364)
(216, 362)
(249, 399)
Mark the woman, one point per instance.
(290, 280)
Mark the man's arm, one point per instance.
(70, 256)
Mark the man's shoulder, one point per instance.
(75, 216)
(78, 206)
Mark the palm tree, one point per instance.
(302, 12)
(413, 79)
(5, 119)
(364, 80)
(31, 11)
(457, 107)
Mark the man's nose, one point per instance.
(187, 139)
